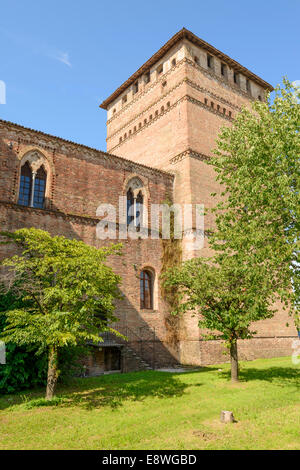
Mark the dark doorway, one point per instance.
(112, 359)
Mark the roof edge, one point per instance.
(86, 147)
(183, 34)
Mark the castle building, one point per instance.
(162, 123)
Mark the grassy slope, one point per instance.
(158, 410)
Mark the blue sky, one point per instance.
(60, 59)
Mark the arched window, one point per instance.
(39, 188)
(25, 185)
(130, 203)
(139, 210)
(32, 186)
(136, 211)
(146, 289)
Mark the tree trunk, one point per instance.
(52, 373)
(234, 362)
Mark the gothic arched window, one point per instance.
(39, 188)
(32, 186)
(25, 185)
(146, 289)
(130, 208)
(136, 211)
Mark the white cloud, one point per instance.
(62, 57)
(37, 46)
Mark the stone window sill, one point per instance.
(148, 310)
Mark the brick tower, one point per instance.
(168, 115)
(169, 112)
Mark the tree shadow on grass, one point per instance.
(136, 387)
(277, 375)
(107, 391)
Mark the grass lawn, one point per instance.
(160, 410)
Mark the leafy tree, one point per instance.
(258, 164)
(67, 290)
(256, 237)
(226, 295)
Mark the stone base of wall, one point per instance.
(101, 361)
(213, 352)
(148, 355)
(155, 353)
(132, 362)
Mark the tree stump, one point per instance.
(227, 417)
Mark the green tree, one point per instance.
(257, 162)
(68, 294)
(256, 236)
(226, 295)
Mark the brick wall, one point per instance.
(81, 179)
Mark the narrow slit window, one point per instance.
(130, 207)
(248, 86)
(209, 61)
(40, 188)
(135, 88)
(236, 78)
(25, 185)
(139, 210)
(147, 77)
(146, 290)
